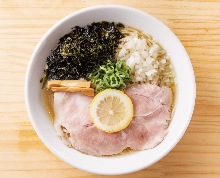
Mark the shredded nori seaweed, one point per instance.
(82, 50)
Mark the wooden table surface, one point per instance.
(197, 25)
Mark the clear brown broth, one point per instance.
(48, 99)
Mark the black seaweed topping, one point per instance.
(83, 49)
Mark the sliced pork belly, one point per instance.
(153, 92)
(147, 129)
(74, 127)
(146, 132)
(151, 112)
(93, 141)
(69, 113)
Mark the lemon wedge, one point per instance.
(111, 110)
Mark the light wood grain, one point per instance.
(197, 25)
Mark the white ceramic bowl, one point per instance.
(185, 96)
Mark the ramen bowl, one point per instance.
(184, 99)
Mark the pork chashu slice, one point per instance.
(147, 129)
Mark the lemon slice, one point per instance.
(111, 110)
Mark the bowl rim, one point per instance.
(27, 101)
